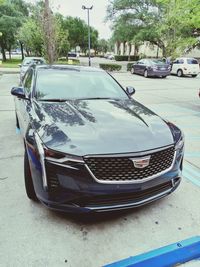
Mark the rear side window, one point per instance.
(192, 61)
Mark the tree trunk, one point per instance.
(129, 51)
(22, 49)
(9, 53)
(164, 51)
(49, 33)
(3, 54)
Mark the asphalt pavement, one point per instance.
(31, 235)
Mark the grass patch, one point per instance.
(68, 62)
(10, 63)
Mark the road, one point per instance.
(31, 235)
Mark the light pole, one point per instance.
(88, 14)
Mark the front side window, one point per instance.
(28, 82)
(75, 84)
(180, 61)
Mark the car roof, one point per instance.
(34, 58)
(186, 58)
(67, 67)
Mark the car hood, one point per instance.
(84, 127)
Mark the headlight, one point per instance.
(60, 157)
(180, 143)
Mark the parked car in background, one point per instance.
(111, 57)
(72, 55)
(185, 66)
(151, 68)
(26, 64)
(89, 146)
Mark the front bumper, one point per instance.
(102, 206)
(75, 190)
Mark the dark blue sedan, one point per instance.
(89, 146)
(151, 68)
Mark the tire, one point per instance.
(164, 77)
(30, 191)
(179, 73)
(194, 75)
(17, 121)
(146, 74)
(132, 70)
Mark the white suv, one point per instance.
(185, 66)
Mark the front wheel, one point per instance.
(146, 74)
(179, 73)
(194, 75)
(30, 191)
(17, 121)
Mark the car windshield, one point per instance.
(73, 84)
(33, 60)
(157, 61)
(192, 61)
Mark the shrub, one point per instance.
(125, 58)
(68, 62)
(129, 65)
(74, 61)
(110, 67)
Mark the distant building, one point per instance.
(147, 50)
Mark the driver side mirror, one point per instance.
(130, 90)
(19, 92)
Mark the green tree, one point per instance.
(30, 34)
(12, 14)
(169, 24)
(78, 33)
(9, 23)
(62, 35)
(102, 46)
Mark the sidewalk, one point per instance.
(9, 70)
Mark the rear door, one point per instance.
(192, 65)
(141, 66)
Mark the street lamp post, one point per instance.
(88, 15)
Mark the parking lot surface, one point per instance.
(31, 235)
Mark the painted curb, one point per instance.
(168, 256)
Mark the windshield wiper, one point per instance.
(93, 98)
(53, 100)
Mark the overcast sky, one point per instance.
(74, 8)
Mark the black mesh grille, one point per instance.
(122, 168)
(124, 198)
(52, 178)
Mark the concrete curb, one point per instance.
(168, 256)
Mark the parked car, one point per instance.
(111, 57)
(89, 146)
(151, 68)
(185, 66)
(72, 55)
(26, 64)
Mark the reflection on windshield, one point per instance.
(73, 84)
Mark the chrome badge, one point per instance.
(141, 163)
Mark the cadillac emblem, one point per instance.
(141, 163)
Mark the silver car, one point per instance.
(27, 62)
